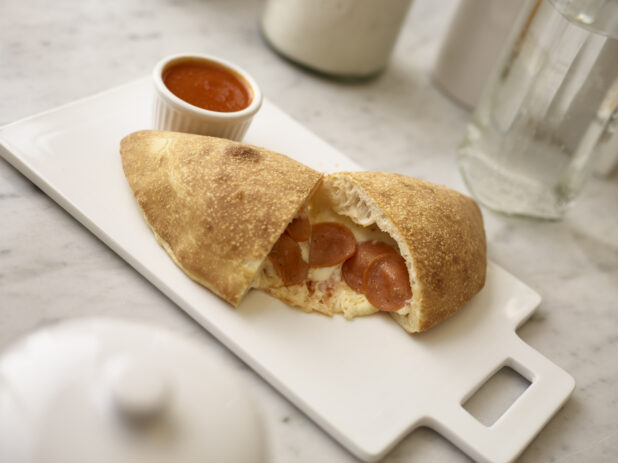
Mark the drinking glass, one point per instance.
(549, 106)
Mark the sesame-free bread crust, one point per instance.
(216, 206)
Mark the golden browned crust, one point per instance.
(444, 232)
(216, 206)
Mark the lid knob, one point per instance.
(139, 389)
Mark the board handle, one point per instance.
(512, 432)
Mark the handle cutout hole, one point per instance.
(496, 396)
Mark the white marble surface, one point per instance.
(51, 268)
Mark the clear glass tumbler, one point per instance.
(549, 105)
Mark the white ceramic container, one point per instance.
(104, 390)
(344, 38)
(172, 113)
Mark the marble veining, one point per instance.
(52, 268)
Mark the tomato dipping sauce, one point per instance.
(208, 86)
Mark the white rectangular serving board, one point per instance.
(366, 382)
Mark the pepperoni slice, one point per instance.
(387, 283)
(354, 268)
(300, 228)
(288, 262)
(331, 244)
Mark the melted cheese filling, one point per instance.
(324, 286)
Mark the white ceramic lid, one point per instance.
(101, 390)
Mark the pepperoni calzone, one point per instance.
(381, 242)
(216, 206)
(234, 216)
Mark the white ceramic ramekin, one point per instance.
(173, 113)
